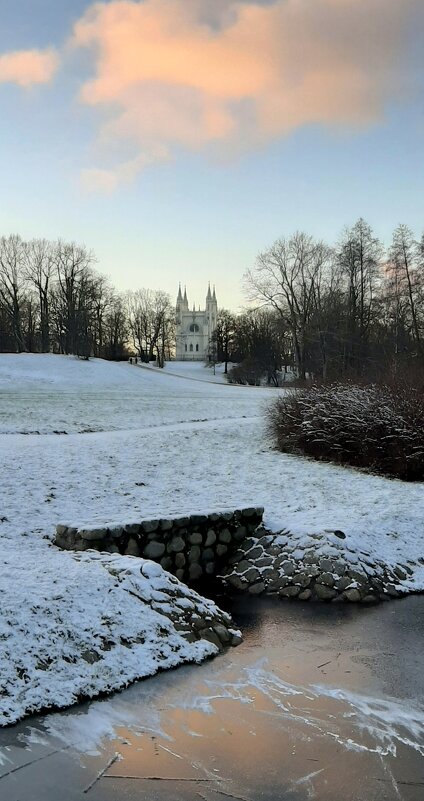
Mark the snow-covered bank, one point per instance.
(162, 445)
(76, 626)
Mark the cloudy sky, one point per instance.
(177, 138)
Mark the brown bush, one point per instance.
(376, 427)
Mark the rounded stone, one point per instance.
(132, 528)
(221, 549)
(93, 533)
(324, 593)
(195, 571)
(252, 575)
(255, 552)
(289, 592)
(210, 635)
(326, 565)
(208, 555)
(210, 568)
(150, 525)
(194, 554)
(304, 595)
(353, 595)
(176, 544)
(287, 568)
(235, 581)
(240, 533)
(60, 529)
(154, 550)
(263, 561)
(179, 574)
(181, 522)
(250, 512)
(195, 538)
(223, 633)
(180, 560)
(166, 563)
(399, 573)
(132, 548)
(210, 538)
(327, 579)
(257, 589)
(303, 579)
(225, 535)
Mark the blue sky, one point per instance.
(204, 210)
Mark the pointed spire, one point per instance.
(209, 296)
(185, 295)
(214, 295)
(180, 297)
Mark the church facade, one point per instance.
(194, 329)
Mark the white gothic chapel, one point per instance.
(194, 329)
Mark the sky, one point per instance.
(179, 138)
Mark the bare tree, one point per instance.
(405, 259)
(75, 295)
(286, 278)
(115, 328)
(12, 285)
(359, 256)
(223, 337)
(39, 261)
(151, 321)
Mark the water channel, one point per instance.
(320, 702)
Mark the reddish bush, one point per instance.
(379, 428)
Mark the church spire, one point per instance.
(209, 296)
(214, 295)
(179, 297)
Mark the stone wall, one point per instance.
(190, 547)
(272, 564)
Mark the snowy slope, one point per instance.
(162, 444)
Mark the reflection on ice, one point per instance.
(357, 722)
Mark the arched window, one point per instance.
(191, 347)
(197, 347)
(194, 328)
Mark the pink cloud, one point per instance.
(233, 74)
(28, 67)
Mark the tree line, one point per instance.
(53, 299)
(356, 309)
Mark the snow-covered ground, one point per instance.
(142, 442)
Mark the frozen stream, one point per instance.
(318, 703)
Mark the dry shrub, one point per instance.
(376, 427)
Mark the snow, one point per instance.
(76, 625)
(139, 443)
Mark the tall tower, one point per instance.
(178, 307)
(211, 311)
